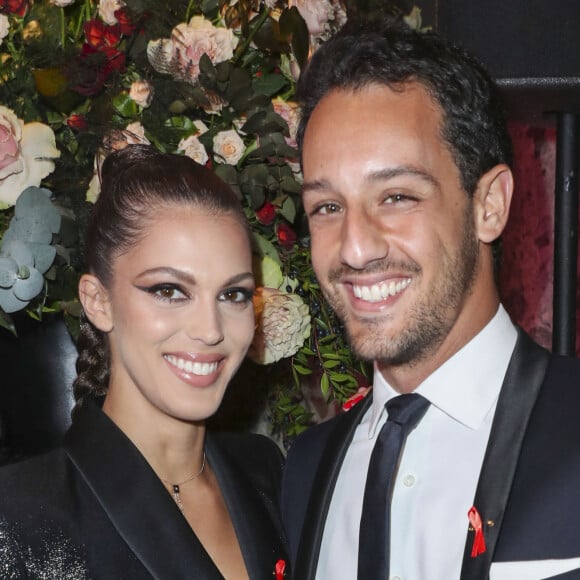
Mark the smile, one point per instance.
(195, 368)
(378, 292)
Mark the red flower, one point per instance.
(77, 122)
(93, 67)
(17, 7)
(101, 36)
(286, 235)
(279, 569)
(126, 26)
(266, 214)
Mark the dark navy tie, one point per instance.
(404, 412)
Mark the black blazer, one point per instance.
(95, 509)
(529, 486)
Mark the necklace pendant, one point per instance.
(176, 497)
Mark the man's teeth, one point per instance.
(378, 292)
(195, 368)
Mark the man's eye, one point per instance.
(326, 209)
(396, 198)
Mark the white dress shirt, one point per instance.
(439, 469)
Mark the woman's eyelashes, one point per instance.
(240, 295)
(166, 292)
(174, 293)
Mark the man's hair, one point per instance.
(394, 55)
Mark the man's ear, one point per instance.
(95, 300)
(491, 201)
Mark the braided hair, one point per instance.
(136, 182)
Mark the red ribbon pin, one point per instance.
(478, 540)
(280, 569)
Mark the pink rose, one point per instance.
(10, 135)
(107, 9)
(180, 54)
(27, 154)
(289, 111)
(142, 93)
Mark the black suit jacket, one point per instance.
(95, 509)
(529, 486)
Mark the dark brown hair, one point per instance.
(136, 182)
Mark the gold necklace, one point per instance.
(174, 487)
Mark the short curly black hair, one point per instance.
(393, 54)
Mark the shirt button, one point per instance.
(408, 481)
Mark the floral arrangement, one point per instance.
(210, 79)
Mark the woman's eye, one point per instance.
(237, 295)
(167, 292)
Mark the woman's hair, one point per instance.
(136, 183)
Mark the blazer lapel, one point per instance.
(332, 457)
(260, 540)
(134, 499)
(522, 383)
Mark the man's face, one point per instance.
(394, 243)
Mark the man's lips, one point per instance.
(379, 291)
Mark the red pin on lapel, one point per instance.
(478, 541)
(280, 569)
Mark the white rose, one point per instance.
(142, 93)
(4, 27)
(62, 3)
(193, 148)
(180, 54)
(201, 127)
(228, 147)
(107, 9)
(27, 154)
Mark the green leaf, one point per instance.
(302, 370)
(269, 84)
(324, 384)
(125, 105)
(288, 209)
(330, 364)
(262, 247)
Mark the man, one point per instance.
(407, 188)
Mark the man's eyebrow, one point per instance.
(374, 176)
(403, 170)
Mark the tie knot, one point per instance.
(406, 410)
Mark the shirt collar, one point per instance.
(467, 385)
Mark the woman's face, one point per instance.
(181, 314)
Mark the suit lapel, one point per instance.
(333, 454)
(134, 499)
(260, 541)
(522, 383)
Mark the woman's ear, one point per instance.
(492, 200)
(95, 300)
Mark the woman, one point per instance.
(140, 489)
